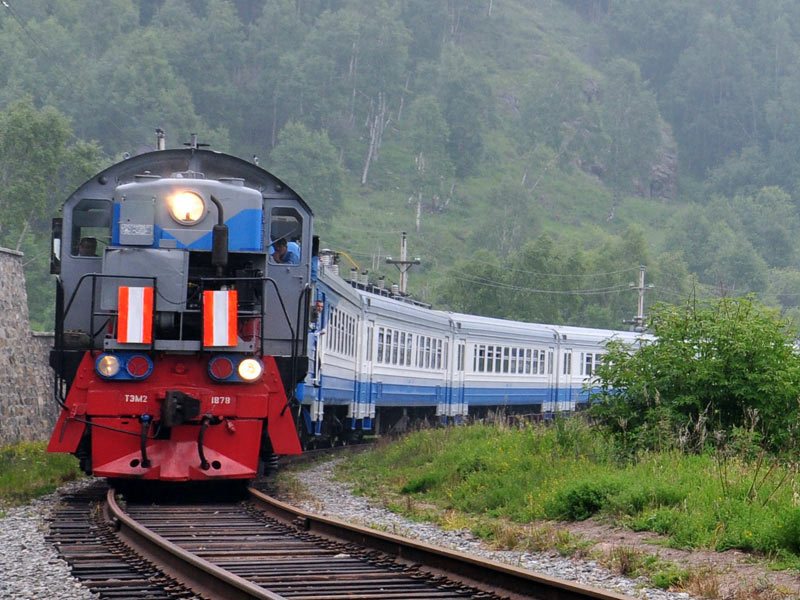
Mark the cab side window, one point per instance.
(91, 228)
(286, 231)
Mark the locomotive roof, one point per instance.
(167, 163)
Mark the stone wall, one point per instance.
(27, 408)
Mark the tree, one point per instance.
(475, 286)
(39, 164)
(269, 98)
(461, 86)
(431, 172)
(560, 108)
(716, 98)
(721, 361)
(134, 90)
(631, 122)
(308, 162)
(207, 51)
(556, 272)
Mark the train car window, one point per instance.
(439, 354)
(588, 363)
(461, 357)
(479, 357)
(428, 353)
(506, 359)
(515, 365)
(370, 333)
(542, 356)
(91, 227)
(395, 346)
(535, 362)
(446, 352)
(528, 361)
(381, 334)
(351, 337)
(332, 330)
(409, 339)
(286, 236)
(550, 361)
(567, 363)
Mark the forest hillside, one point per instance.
(537, 152)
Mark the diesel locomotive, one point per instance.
(180, 335)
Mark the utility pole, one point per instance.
(404, 265)
(638, 320)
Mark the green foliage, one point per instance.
(487, 115)
(711, 367)
(28, 471)
(307, 161)
(39, 165)
(579, 501)
(570, 471)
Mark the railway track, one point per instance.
(262, 548)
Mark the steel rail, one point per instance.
(491, 576)
(196, 573)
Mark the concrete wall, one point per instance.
(27, 408)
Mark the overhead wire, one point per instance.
(502, 285)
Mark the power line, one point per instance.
(507, 286)
(606, 274)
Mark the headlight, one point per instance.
(187, 208)
(107, 365)
(250, 369)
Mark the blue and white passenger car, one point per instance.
(379, 360)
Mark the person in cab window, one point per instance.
(87, 247)
(286, 253)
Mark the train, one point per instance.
(381, 362)
(201, 332)
(180, 335)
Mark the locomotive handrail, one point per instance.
(261, 301)
(93, 313)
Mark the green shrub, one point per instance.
(420, 484)
(580, 501)
(669, 576)
(790, 533)
(633, 500)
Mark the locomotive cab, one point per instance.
(174, 323)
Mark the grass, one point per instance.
(28, 471)
(498, 477)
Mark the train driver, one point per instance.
(286, 252)
(87, 247)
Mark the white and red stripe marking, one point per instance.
(135, 323)
(219, 318)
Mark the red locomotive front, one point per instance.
(180, 318)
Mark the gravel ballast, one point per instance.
(29, 566)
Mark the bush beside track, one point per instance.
(485, 475)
